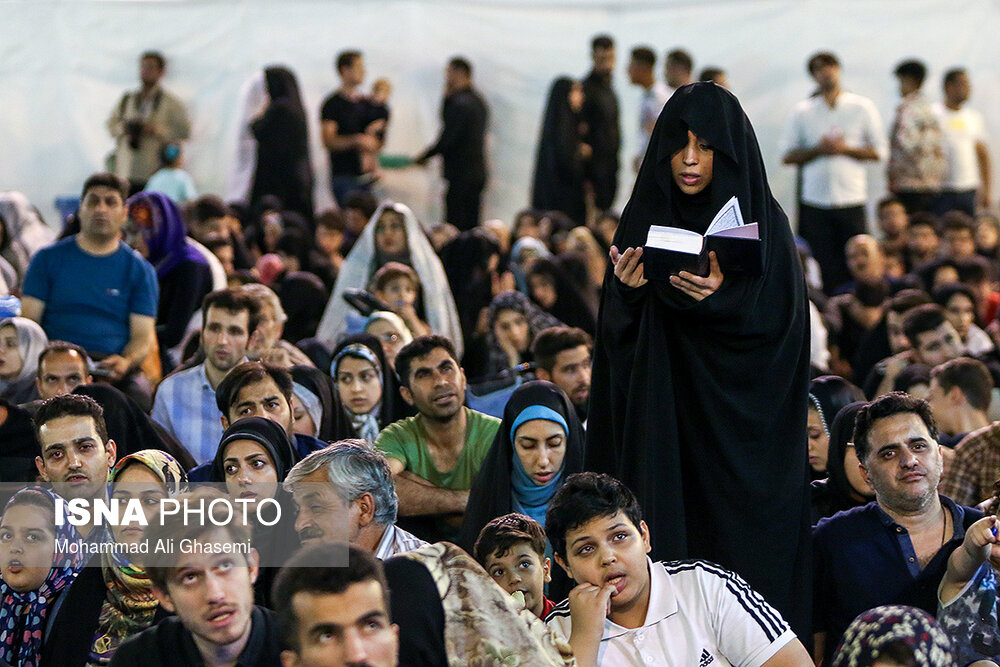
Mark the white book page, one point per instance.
(750, 231)
(673, 238)
(728, 217)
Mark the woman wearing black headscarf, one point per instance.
(390, 406)
(699, 384)
(555, 293)
(505, 484)
(283, 168)
(559, 168)
(844, 487)
(315, 404)
(253, 459)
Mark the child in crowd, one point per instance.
(398, 286)
(376, 120)
(511, 548)
(171, 179)
(628, 610)
(967, 597)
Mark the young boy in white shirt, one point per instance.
(627, 610)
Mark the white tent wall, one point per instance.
(64, 65)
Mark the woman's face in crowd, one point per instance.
(543, 291)
(27, 540)
(390, 337)
(541, 446)
(249, 470)
(819, 441)
(692, 165)
(987, 236)
(961, 312)
(137, 481)
(511, 327)
(853, 470)
(302, 421)
(390, 234)
(945, 275)
(10, 353)
(359, 385)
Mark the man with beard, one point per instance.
(76, 452)
(894, 550)
(562, 357)
(434, 456)
(185, 402)
(831, 136)
(600, 108)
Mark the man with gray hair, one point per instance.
(346, 490)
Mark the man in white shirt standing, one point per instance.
(831, 136)
(641, 72)
(967, 184)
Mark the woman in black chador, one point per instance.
(559, 167)
(698, 399)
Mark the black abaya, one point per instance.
(700, 407)
(558, 166)
(600, 108)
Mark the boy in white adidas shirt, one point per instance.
(628, 610)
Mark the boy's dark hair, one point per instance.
(346, 59)
(173, 528)
(363, 201)
(644, 55)
(71, 405)
(711, 74)
(331, 219)
(206, 207)
(105, 179)
(461, 64)
(974, 270)
(821, 59)
(585, 496)
(906, 299)
(602, 42)
(250, 372)
(419, 347)
(921, 319)
(924, 219)
(971, 376)
(912, 69)
(958, 221)
(392, 270)
(56, 346)
(553, 340)
(234, 301)
(942, 293)
(885, 406)
(887, 201)
(154, 55)
(302, 573)
(952, 75)
(504, 532)
(680, 57)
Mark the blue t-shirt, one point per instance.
(89, 298)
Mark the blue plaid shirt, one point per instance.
(185, 406)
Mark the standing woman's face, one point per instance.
(819, 441)
(390, 234)
(692, 165)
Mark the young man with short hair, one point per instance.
(562, 357)
(960, 394)
(655, 93)
(628, 610)
(600, 109)
(967, 185)
(434, 456)
(511, 549)
(77, 453)
(211, 592)
(185, 402)
(335, 616)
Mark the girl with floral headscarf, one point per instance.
(110, 603)
(894, 634)
(156, 230)
(28, 589)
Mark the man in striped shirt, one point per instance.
(344, 493)
(628, 610)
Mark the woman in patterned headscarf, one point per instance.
(117, 597)
(894, 635)
(29, 591)
(367, 392)
(514, 322)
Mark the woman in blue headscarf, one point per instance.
(538, 445)
(32, 575)
(155, 229)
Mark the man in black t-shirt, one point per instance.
(347, 127)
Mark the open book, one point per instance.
(669, 250)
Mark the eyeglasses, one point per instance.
(389, 337)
